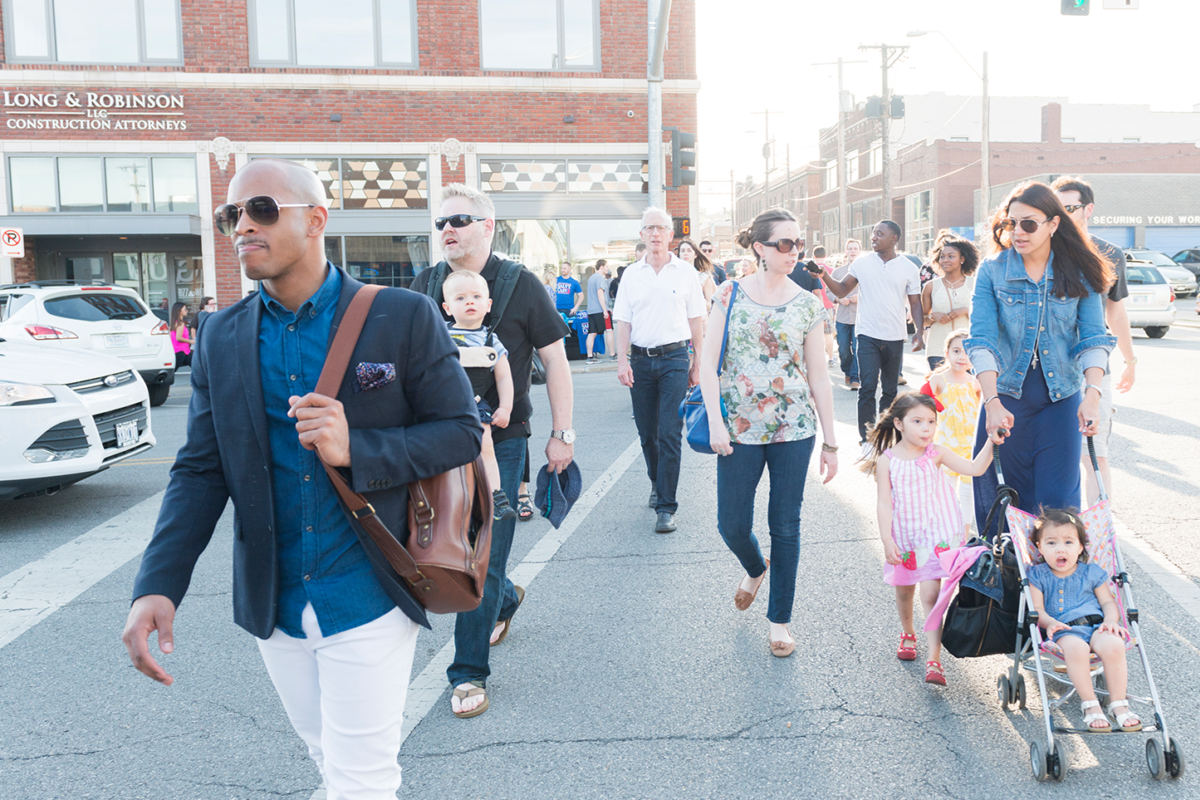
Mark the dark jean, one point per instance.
(935, 361)
(1040, 458)
(473, 629)
(879, 365)
(659, 384)
(847, 350)
(738, 475)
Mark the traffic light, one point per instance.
(683, 227)
(1075, 8)
(683, 158)
(897, 111)
(874, 108)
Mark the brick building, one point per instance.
(124, 122)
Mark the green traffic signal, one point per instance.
(1075, 8)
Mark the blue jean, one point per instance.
(879, 365)
(738, 475)
(848, 350)
(659, 384)
(473, 629)
(1040, 459)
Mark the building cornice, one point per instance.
(284, 81)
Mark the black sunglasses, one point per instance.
(262, 210)
(1071, 209)
(786, 245)
(1027, 225)
(456, 221)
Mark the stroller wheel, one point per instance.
(1037, 760)
(1004, 691)
(1176, 764)
(1055, 765)
(1020, 693)
(1156, 760)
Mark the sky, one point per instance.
(756, 55)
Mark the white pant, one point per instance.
(344, 695)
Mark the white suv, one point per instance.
(66, 415)
(103, 318)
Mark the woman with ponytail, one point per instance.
(1039, 347)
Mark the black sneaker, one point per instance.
(501, 510)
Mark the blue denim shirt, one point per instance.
(1067, 599)
(1005, 314)
(320, 558)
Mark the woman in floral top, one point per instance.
(763, 410)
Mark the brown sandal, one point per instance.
(474, 691)
(742, 599)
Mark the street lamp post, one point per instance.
(985, 154)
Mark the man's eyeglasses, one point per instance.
(262, 210)
(1071, 209)
(1027, 225)
(653, 228)
(456, 221)
(786, 245)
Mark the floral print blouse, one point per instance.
(763, 382)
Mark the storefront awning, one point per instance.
(103, 224)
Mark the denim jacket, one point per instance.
(1005, 310)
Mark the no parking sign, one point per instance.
(12, 243)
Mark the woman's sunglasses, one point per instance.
(456, 221)
(1027, 225)
(262, 210)
(786, 245)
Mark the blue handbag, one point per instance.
(692, 410)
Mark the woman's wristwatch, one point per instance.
(566, 436)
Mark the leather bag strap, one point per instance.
(725, 337)
(337, 360)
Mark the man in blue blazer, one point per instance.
(336, 626)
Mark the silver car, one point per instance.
(1181, 279)
(1151, 302)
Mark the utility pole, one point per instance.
(985, 155)
(843, 210)
(889, 55)
(766, 151)
(787, 167)
(732, 204)
(658, 12)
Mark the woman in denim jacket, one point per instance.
(1039, 348)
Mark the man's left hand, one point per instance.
(918, 342)
(694, 375)
(321, 423)
(559, 454)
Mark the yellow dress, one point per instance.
(956, 424)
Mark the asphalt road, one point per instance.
(628, 673)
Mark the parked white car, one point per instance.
(1151, 303)
(66, 416)
(100, 318)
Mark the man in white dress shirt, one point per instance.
(659, 307)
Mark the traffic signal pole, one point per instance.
(886, 53)
(658, 13)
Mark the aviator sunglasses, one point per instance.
(786, 245)
(1027, 225)
(456, 221)
(262, 210)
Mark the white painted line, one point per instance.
(1171, 578)
(32, 593)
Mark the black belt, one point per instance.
(657, 351)
(1090, 619)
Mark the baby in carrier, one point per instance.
(485, 359)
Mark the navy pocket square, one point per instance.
(368, 376)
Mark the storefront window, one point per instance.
(87, 32)
(611, 239)
(539, 244)
(538, 34)
(350, 33)
(189, 281)
(126, 271)
(156, 280)
(32, 181)
(333, 249)
(128, 184)
(175, 185)
(386, 260)
(80, 184)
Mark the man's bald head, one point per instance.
(296, 183)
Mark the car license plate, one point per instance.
(116, 340)
(1139, 299)
(127, 433)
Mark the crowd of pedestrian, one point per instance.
(1018, 353)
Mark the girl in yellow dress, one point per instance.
(958, 391)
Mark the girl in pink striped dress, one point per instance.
(919, 516)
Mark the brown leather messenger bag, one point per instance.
(449, 515)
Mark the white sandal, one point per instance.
(1088, 719)
(1120, 718)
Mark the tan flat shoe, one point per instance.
(781, 649)
(743, 599)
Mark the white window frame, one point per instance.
(102, 157)
(851, 166)
(561, 43)
(875, 160)
(52, 45)
(376, 42)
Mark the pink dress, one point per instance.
(926, 519)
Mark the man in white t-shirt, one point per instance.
(883, 279)
(659, 307)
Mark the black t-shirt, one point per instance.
(803, 278)
(1116, 256)
(530, 322)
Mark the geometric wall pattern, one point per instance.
(607, 176)
(588, 175)
(522, 176)
(385, 183)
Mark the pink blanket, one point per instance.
(956, 562)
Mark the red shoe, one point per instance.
(907, 652)
(934, 673)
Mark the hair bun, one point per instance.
(744, 239)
